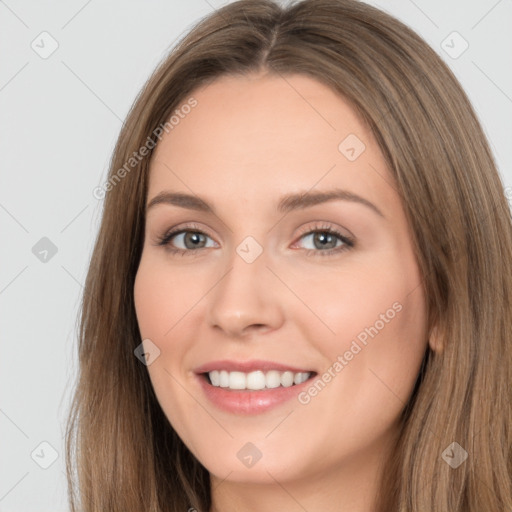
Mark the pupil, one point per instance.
(323, 236)
(193, 236)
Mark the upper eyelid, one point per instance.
(193, 227)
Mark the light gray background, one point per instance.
(60, 118)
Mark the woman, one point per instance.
(230, 358)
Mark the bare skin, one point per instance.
(249, 141)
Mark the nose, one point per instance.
(248, 298)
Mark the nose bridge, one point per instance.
(244, 296)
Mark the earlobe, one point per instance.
(434, 340)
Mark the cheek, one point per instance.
(371, 329)
(398, 352)
(162, 297)
(381, 338)
(380, 292)
(373, 357)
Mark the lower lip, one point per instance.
(249, 402)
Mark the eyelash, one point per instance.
(348, 242)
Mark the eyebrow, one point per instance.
(287, 203)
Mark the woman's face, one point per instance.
(256, 278)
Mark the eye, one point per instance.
(326, 240)
(189, 237)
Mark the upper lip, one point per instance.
(247, 366)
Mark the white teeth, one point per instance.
(287, 379)
(224, 379)
(257, 379)
(272, 379)
(237, 380)
(299, 378)
(215, 377)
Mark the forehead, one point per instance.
(257, 134)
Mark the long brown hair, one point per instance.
(122, 453)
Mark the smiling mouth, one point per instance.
(257, 380)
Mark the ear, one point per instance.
(435, 339)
